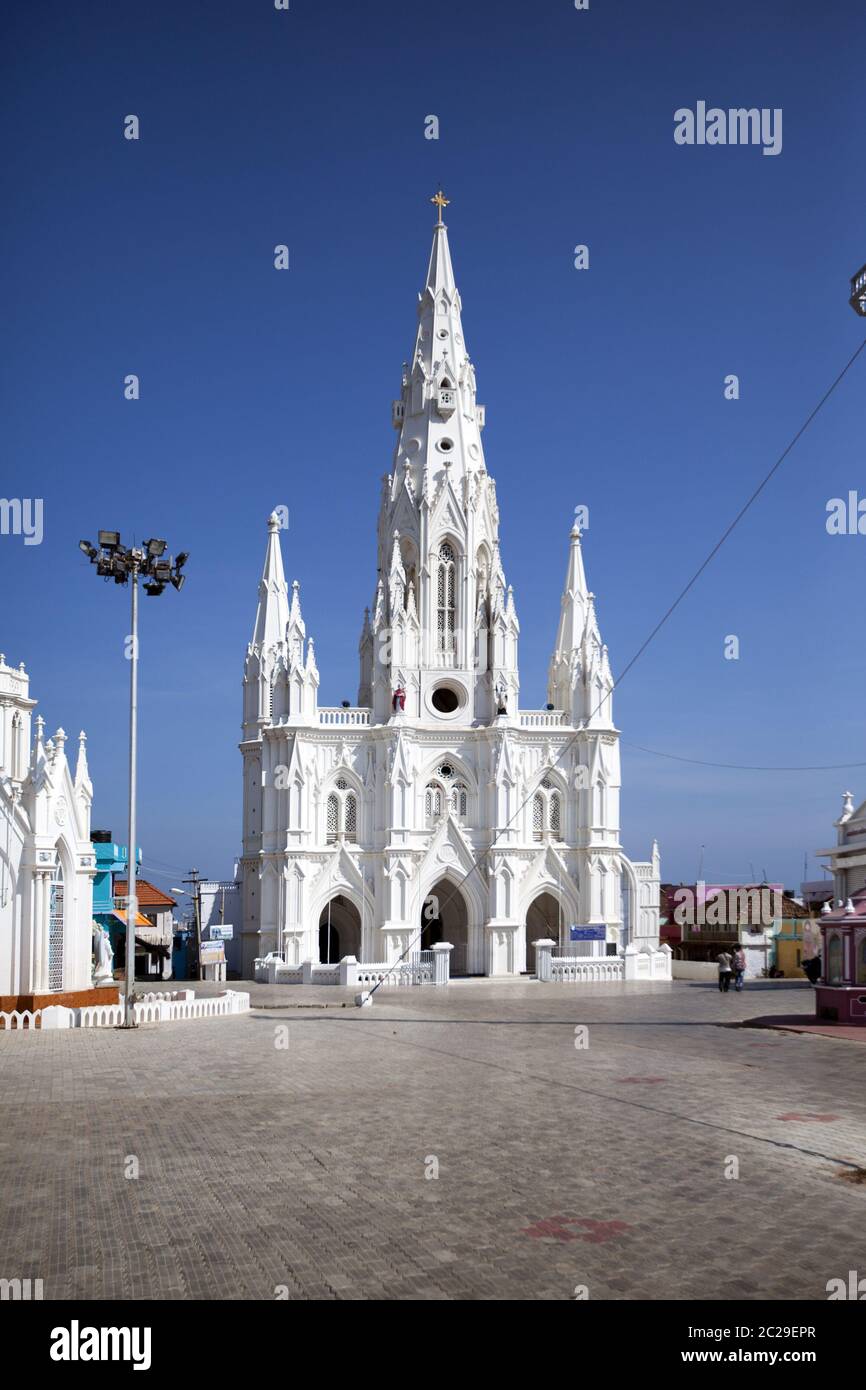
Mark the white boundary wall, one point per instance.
(152, 1008)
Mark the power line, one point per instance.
(743, 767)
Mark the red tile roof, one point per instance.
(148, 896)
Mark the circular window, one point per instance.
(443, 333)
(446, 770)
(446, 445)
(444, 699)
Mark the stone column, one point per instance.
(34, 937)
(442, 962)
(42, 927)
(349, 970)
(543, 953)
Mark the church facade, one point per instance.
(437, 808)
(47, 862)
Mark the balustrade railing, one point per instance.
(543, 718)
(357, 715)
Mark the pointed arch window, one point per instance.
(433, 802)
(55, 930)
(342, 813)
(459, 800)
(547, 812)
(446, 598)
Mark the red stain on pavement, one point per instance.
(554, 1227)
(818, 1119)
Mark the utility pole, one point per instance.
(194, 879)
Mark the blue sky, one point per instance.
(602, 387)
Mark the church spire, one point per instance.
(438, 532)
(272, 614)
(575, 601)
(579, 677)
(440, 272)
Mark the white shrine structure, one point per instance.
(437, 809)
(47, 863)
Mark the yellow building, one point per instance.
(798, 939)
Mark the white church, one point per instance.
(437, 809)
(47, 862)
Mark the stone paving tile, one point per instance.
(261, 1167)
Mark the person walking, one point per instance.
(724, 972)
(738, 966)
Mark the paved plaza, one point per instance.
(566, 1161)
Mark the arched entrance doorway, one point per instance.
(339, 931)
(445, 918)
(543, 918)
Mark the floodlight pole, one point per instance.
(132, 895)
(122, 563)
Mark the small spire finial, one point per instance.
(441, 202)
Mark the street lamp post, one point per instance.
(122, 564)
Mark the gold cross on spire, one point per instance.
(441, 202)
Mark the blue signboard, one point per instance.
(587, 933)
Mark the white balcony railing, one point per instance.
(354, 715)
(543, 719)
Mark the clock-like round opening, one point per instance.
(444, 699)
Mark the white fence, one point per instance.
(20, 1019)
(419, 968)
(152, 1008)
(638, 962)
(581, 970)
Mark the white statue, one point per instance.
(103, 969)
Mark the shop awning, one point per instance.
(139, 920)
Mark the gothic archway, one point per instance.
(544, 917)
(339, 930)
(446, 919)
